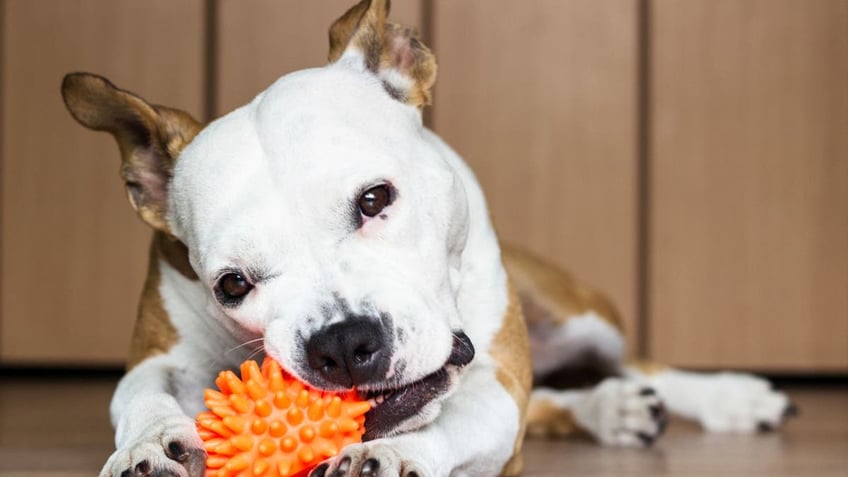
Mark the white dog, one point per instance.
(323, 225)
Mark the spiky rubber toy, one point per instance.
(269, 424)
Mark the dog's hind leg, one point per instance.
(578, 360)
(720, 402)
(575, 332)
(579, 364)
(618, 412)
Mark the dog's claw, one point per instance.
(791, 410)
(647, 439)
(647, 392)
(369, 468)
(320, 471)
(176, 451)
(369, 460)
(142, 468)
(764, 426)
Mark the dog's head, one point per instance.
(321, 216)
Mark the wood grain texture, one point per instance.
(261, 40)
(540, 98)
(749, 257)
(73, 251)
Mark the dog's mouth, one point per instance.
(392, 407)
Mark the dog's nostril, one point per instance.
(362, 355)
(329, 363)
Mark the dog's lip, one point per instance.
(392, 406)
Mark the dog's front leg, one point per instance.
(474, 435)
(153, 434)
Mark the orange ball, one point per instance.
(269, 424)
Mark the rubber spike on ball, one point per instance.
(268, 424)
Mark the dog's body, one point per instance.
(321, 224)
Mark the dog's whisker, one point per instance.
(256, 352)
(246, 343)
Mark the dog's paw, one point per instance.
(742, 403)
(623, 412)
(373, 459)
(167, 448)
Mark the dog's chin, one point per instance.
(409, 407)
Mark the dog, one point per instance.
(322, 225)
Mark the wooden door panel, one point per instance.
(73, 251)
(540, 98)
(749, 251)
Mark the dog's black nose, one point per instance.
(350, 353)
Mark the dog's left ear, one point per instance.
(392, 52)
(150, 138)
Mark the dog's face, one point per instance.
(321, 216)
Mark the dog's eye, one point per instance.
(374, 200)
(232, 288)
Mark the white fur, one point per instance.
(615, 412)
(580, 335)
(721, 402)
(270, 187)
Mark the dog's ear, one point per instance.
(150, 138)
(394, 53)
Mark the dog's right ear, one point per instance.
(150, 138)
(394, 53)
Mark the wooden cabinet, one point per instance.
(540, 98)
(749, 184)
(73, 253)
(688, 157)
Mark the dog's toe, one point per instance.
(622, 412)
(741, 403)
(368, 460)
(171, 449)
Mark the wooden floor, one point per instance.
(59, 428)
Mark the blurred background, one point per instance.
(688, 157)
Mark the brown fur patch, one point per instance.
(550, 294)
(647, 367)
(406, 54)
(386, 47)
(149, 137)
(153, 333)
(546, 419)
(175, 253)
(511, 352)
(361, 26)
